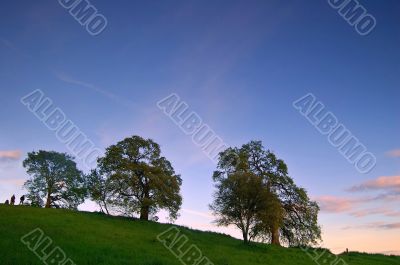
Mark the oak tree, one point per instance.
(286, 216)
(141, 180)
(55, 180)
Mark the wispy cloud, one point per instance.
(333, 204)
(375, 225)
(117, 99)
(381, 183)
(360, 206)
(388, 197)
(8, 155)
(13, 48)
(375, 211)
(207, 215)
(393, 153)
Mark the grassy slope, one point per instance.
(89, 238)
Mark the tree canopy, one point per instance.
(55, 180)
(254, 191)
(140, 179)
(284, 214)
(238, 200)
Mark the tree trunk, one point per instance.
(245, 237)
(105, 207)
(275, 237)
(145, 208)
(48, 201)
(144, 213)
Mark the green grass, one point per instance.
(90, 238)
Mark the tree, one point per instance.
(288, 215)
(141, 180)
(55, 179)
(98, 189)
(238, 200)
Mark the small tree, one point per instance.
(141, 180)
(98, 189)
(55, 179)
(238, 201)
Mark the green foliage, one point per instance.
(238, 200)
(95, 239)
(54, 179)
(270, 219)
(98, 189)
(287, 214)
(140, 180)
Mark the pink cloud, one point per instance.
(381, 183)
(391, 193)
(332, 204)
(393, 153)
(10, 155)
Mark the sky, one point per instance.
(239, 65)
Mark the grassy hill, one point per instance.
(90, 238)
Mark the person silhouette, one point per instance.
(22, 199)
(7, 202)
(12, 200)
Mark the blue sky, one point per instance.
(239, 65)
